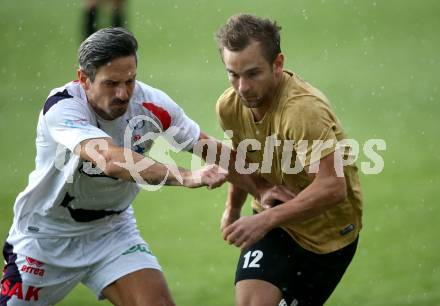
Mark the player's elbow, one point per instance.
(338, 190)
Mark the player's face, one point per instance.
(253, 78)
(110, 92)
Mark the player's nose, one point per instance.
(122, 92)
(243, 86)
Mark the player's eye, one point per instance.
(253, 74)
(232, 75)
(110, 83)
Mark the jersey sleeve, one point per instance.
(310, 124)
(227, 115)
(69, 123)
(178, 129)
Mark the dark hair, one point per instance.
(240, 30)
(103, 46)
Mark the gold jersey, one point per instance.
(298, 129)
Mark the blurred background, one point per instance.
(378, 63)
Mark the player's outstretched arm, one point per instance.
(125, 164)
(252, 183)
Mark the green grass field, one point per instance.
(377, 61)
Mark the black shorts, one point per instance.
(301, 275)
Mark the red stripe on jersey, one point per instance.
(160, 113)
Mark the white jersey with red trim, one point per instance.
(66, 197)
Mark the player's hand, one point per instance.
(275, 195)
(230, 215)
(211, 176)
(246, 231)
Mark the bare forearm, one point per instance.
(236, 197)
(130, 166)
(125, 164)
(312, 201)
(234, 203)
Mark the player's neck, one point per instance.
(259, 112)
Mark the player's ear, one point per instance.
(83, 79)
(278, 63)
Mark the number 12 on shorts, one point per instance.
(252, 258)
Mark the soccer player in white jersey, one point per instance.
(73, 222)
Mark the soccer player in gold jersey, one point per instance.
(294, 253)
